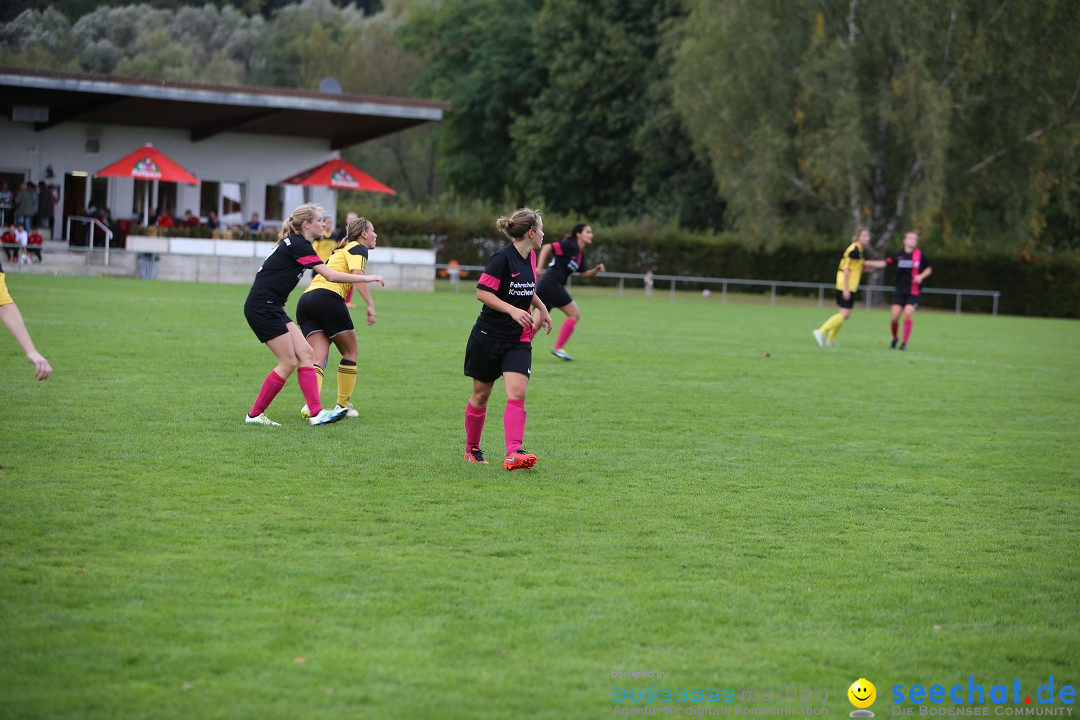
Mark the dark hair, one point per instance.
(572, 235)
(519, 223)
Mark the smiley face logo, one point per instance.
(862, 693)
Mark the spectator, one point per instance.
(7, 204)
(649, 283)
(11, 248)
(44, 206)
(254, 226)
(165, 220)
(212, 221)
(22, 239)
(190, 220)
(34, 243)
(26, 205)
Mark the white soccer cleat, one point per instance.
(305, 413)
(350, 411)
(261, 420)
(820, 337)
(327, 416)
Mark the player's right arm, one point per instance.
(341, 277)
(542, 260)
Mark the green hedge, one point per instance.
(1046, 284)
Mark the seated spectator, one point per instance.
(22, 239)
(165, 220)
(34, 243)
(254, 226)
(190, 220)
(11, 248)
(212, 221)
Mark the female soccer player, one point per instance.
(13, 321)
(551, 287)
(912, 267)
(265, 313)
(323, 317)
(847, 285)
(501, 339)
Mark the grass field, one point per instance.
(716, 498)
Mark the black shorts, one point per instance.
(904, 297)
(486, 358)
(323, 311)
(553, 295)
(268, 321)
(850, 302)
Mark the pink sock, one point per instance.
(894, 326)
(348, 295)
(309, 385)
(270, 388)
(907, 329)
(565, 332)
(474, 425)
(514, 424)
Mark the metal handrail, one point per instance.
(771, 284)
(93, 221)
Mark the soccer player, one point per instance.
(501, 339)
(567, 259)
(323, 317)
(325, 243)
(12, 319)
(848, 275)
(265, 313)
(912, 267)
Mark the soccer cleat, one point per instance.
(350, 411)
(820, 337)
(327, 416)
(476, 455)
(893, 344)
(261, 419)
(305, 413)
(903, 346)
(561, 354)
(519, 460)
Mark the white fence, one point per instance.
(673, 281)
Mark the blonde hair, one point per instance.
(353, 230)
(519, 223)
(294, 225)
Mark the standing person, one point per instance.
(12, 319)
(265, 313)
(848, 275)
(912, 267)
(551, 286)
(501, 339)
(45, 206)
(349, 217)
(7, 204)
(649, 283)
(325, 244)
(26, 205)
(323, 317)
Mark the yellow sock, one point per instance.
(346, 382)
(318, 377)
(827, 327)
(836, 322)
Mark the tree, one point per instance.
(827, 114)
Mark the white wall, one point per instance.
(255, 160)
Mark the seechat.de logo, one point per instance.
(862, 695)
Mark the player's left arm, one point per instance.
(598, 268)
(542, 318)
(876, 264)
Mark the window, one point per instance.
(275, 203)
(166, 198)
(225, 198)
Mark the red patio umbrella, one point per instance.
(340, 175)
(148, 163)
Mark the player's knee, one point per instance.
(287, 366)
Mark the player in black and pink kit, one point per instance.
(912, 267)
(501, 339)
(265, 313)
(567, 258)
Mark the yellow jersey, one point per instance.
(324, 246)
(352, 257)
(853, 262)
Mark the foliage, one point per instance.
(830, 114)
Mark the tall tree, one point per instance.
(826, 114)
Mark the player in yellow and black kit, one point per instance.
(12, 319)
(848, 275)
(323, 317)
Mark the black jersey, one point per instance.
(512, 279)
(908, 265)
(566, 260)
(281, 271)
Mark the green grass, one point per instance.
(716, 497)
